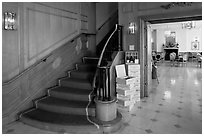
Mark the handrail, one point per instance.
(112, 16)
(37, 63)
(101, 57)
(104, 48)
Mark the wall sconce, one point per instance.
(132, 28)
(10, 21)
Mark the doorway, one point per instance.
(146, 47)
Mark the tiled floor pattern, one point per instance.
(174, 106)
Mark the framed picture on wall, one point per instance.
(195, 45)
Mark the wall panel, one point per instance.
(34, 83)
(42, 28)
(10, 47)
(47, 29)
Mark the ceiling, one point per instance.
(193, 18)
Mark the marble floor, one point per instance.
(174, 106)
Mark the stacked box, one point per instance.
(125, 80)
(125, 108)
(128, 87)
(125, 93)
(134, 71)
(125, 87)
(126, 97)
(137, 96)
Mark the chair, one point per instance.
(180, 59)
(185, 59)
(199, 59)
(190, 57)
(154, 72)
(194, 57)
(158, 57)
(172, 58)
(162, 56)
(154, 59)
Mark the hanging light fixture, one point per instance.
(10, 21)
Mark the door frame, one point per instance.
(142, 39)
(145, 59)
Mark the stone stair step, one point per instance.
(76, 83)
(61, 123)
(109, 126)
(91, 60)
(57, 105)
(69, 93)
(83, 74)
(86, 67)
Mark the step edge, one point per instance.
(29, 121)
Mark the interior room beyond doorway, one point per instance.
(183, 38)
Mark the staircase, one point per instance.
(68, 107)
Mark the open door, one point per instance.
(146, 57)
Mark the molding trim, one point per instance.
(49, 13)
(83, 15)
(30, 60)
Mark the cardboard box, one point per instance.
(125, 98)
(126, 87)
(124, 92)
(133, 70)
(124, 102)
(137, 86)
(125, 80)
(133, 66)
(137, 93)
(134, 73)
(137, 80)
(137, 89)
(138, 99)
(122, 77)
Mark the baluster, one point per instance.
(107, 83)
(119, 38)
(100, 85)
(104, 85)
(108, 74)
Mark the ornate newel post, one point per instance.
(106, 108)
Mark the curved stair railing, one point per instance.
(101, 80)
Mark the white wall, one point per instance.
(184, 37)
